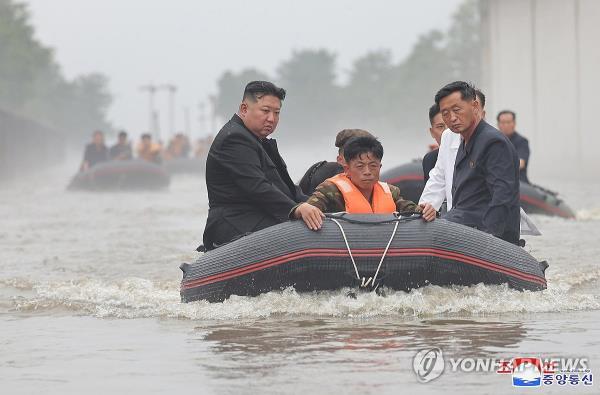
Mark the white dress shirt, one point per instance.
(439, 185)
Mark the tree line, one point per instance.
(378, 94)
(33, 86)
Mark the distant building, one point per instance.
(27, 146)
(542, 59)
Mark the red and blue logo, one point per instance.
(527, 372)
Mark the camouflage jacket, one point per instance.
(328, 198)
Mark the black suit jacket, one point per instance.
(318, 173)
(522, 146)
(485, 189)
(248, 185)
(429, 161)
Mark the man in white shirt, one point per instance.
(439, 185)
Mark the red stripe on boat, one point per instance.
(361, 253)
(406, 177)
(545, 206)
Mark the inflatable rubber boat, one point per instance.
(194, 166)
(408, 177)
(121, 175)
(363, 251)
(538, 200)
(534, 199)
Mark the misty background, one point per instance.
(75, 67)
(69, 67)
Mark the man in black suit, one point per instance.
(507, 123)
(485, 188)
(248, 184)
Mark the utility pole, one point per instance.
(156, 121)
(212, 115)
(202, 117)
(186, 118)
(172, 89)
(151, 89)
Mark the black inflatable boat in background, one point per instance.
(193, 166)
(134, 174)
(534, 199)
(289, 254)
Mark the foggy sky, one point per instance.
(190, 43)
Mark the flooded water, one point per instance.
(89, 302)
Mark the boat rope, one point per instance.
(347, 247)
(364, 282)
(398, 217)
(387, 247)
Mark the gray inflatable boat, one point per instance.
(362, 251)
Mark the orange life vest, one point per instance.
(356, 203)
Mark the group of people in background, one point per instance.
(179, 147)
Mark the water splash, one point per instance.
(588, 215)
(137, 298)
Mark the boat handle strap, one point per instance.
(364, 282)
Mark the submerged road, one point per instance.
(89, 302)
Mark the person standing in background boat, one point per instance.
(323, 170)
(149, 150)
(95, 152)
(202, 146)
(507, 123)
(248, 184)
(437, 128)
(179, 147)
(358, 190)
(485, 187)
(122, 149)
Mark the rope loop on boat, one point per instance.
(397, 217)
(365, 282)
(347, 247)
(387, 247)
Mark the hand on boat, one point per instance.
(428, 212)
(312, 216)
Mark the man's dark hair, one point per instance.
(343, 136)
(122, 133)
(357, 146)
(146, 136)
(257, 89)
(433, 111)
(514, 116)
(481, 97)
(467, 91)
